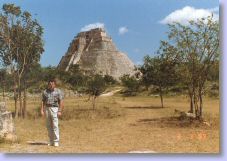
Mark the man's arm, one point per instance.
(61, 103)
(43, 104)
(42, 108)
(60, 107)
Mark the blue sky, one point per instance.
(136, 26)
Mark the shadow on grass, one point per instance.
(146, 107)
(173, 122)
(159, 119)
(83, 110)
(37, 143)
(98, 113)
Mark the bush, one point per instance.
(131, 84)
(109, 80)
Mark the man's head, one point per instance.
(51, 84)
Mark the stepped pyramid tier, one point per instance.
(94, 51)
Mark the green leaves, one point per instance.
(21, 46)
(158, 71)
(197, 46)
(20, 38)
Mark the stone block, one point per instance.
(7, 129)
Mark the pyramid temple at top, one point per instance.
(95, 51)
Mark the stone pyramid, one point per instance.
(94, 51)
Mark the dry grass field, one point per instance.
(120, 125)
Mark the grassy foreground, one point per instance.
(120, 125)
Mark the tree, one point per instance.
(33, 76)
(7, 22)
(96, 86)
(159, 71)
(3, 81)
(213, 75)
(21, 46)
(131, 83)
(197, 50)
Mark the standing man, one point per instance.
(52, 106)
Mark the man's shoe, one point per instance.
(56, 144)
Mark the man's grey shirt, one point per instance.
(52, 98)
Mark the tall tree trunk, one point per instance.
(3, 91)
(15, 98)
(20, 98)
(25, 101)
(200, 104)
(191, 105)
(93, 102)
(194, 99)
(160, 93)
(196, 106)
(191, 101)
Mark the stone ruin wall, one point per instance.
(7, 129)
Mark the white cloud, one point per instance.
(215, 9)
(92, 26)
(189, 13)
(122, 30)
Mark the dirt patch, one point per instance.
(111, 93)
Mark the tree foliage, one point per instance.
(159, 71)
(96, 86)
(21, 46)
(196, 50)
